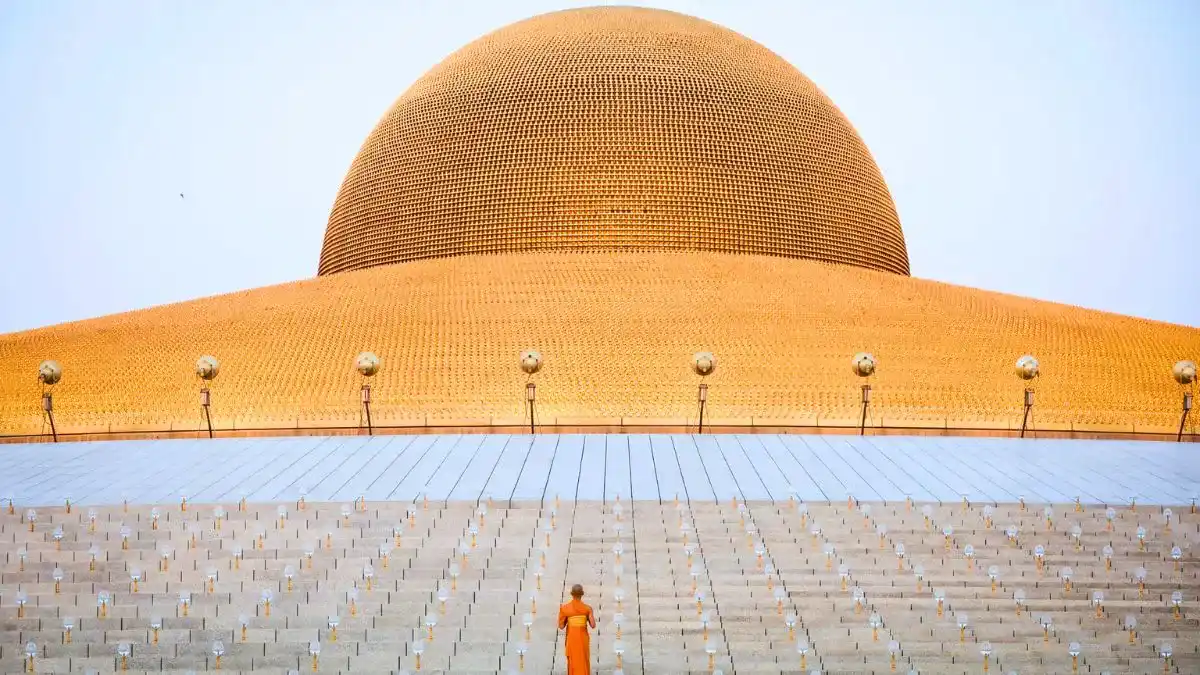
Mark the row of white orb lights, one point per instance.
(863, 364)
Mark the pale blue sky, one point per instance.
(1041, 148)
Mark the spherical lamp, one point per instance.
(49, 372)
(530, 361)
(207, 368)
(1184, 373)
(703, 364)
(367, 364)
(1027, 369)
(863, 364)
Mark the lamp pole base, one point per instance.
(866, 401)
(208, 422)
(48, 408)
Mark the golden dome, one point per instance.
(613, 128)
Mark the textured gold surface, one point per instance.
(617, 331)
(613, 128)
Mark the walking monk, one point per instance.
(577, 617)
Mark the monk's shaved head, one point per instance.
(577, 591)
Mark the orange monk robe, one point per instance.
(577, 617)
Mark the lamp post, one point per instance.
(367, 364)
(703, 364)
(49, 373)
(863, 365)
(1027, 369)
(531, 363)
(1184, 373)
(207, 368)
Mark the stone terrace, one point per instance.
(758, 554)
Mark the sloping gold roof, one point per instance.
(613, 128)
(617, 331)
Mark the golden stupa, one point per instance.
(617, 188)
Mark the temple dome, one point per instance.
(613, 129)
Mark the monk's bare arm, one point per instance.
(592, 620)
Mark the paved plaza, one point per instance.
(601, 468)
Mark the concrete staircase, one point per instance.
(326, 549)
